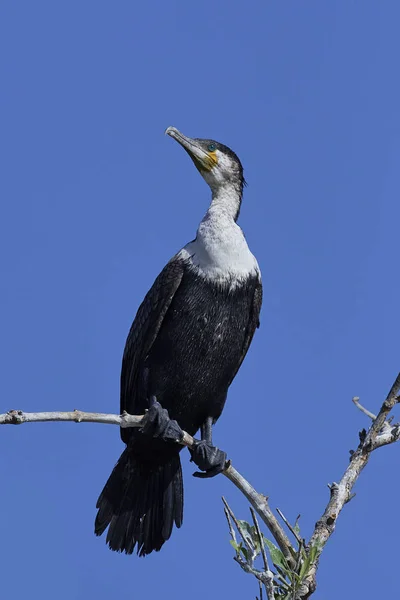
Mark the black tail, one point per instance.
(140, 503)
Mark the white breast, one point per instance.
(220, 252)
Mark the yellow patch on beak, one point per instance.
(204, 162)
(210, 160)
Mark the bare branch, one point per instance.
(378, 435)
(260, 539)
(247, 541)
(369, 414)
(17, 417)
(340, 493)
(288, 525)
(228, 518)
(258, 501)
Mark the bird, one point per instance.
(185, 346)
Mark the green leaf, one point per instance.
(282, 573)
(296, 579)
(245, 553)
(276, 555)
(309, 560)
(297, 526)
(314, 551)
(235, 545)
(246, 529)
(255, 540)
(305, 567)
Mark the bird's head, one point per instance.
(217, 163)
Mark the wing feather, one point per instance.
(144, 331)
(253, 324)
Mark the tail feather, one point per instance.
(140, 504)
(168, 507)
(178, 500)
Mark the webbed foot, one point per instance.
(208, 458)
(158, 424)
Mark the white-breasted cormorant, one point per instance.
(186, 344)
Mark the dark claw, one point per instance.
(210, 473)
(208, 458)
(158, 424)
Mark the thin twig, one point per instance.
(298, 567)
(231, 530)
(243, 534)
(288, 525)
(269, 583)
(364, 410)
(299, 556)
(261, 590)
(260, 538)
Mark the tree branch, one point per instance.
(258, 501)
(17, 417)
(379, 434)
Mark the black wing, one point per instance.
(143, 333)
(253, 324)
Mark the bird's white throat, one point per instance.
(220, 251)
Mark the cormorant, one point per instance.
(186, 344)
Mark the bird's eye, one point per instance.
(211, 147)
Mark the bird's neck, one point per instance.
(220, 252)
(218, 233)
(225, 203)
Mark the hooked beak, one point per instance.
(203, 160)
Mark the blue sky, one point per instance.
(94, 201)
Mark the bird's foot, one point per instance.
(208, 458)
(158, 424)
